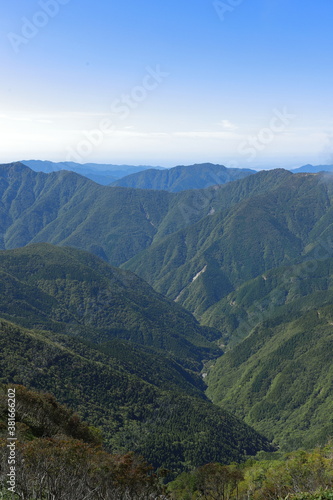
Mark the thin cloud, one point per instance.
(25, 118)
(135, 134)
(206, 135)
(227, 124)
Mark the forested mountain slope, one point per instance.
(280, 378)
(70, 291)
(114, 223)
(195, 246)
(64, 208)
(286, 291)
(251, 259)
(278, 330)
(103, 342)
(56, 455)
(204, 262)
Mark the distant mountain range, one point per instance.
(102, 173)
(313, 169)
(143, 177)
(176, 179)
(183, 177)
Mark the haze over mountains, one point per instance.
(313, 169)
(173, 179)
(251, 259)
(102, 173)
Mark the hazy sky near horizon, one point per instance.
(239, 82)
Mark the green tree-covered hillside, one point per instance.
(201, 264)
(64, 208)
(68, 290)
(122, 356)
(169, 427)
(279, 378)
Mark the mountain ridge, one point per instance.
(180, 178)
(115, 223)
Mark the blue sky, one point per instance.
(240, 82)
